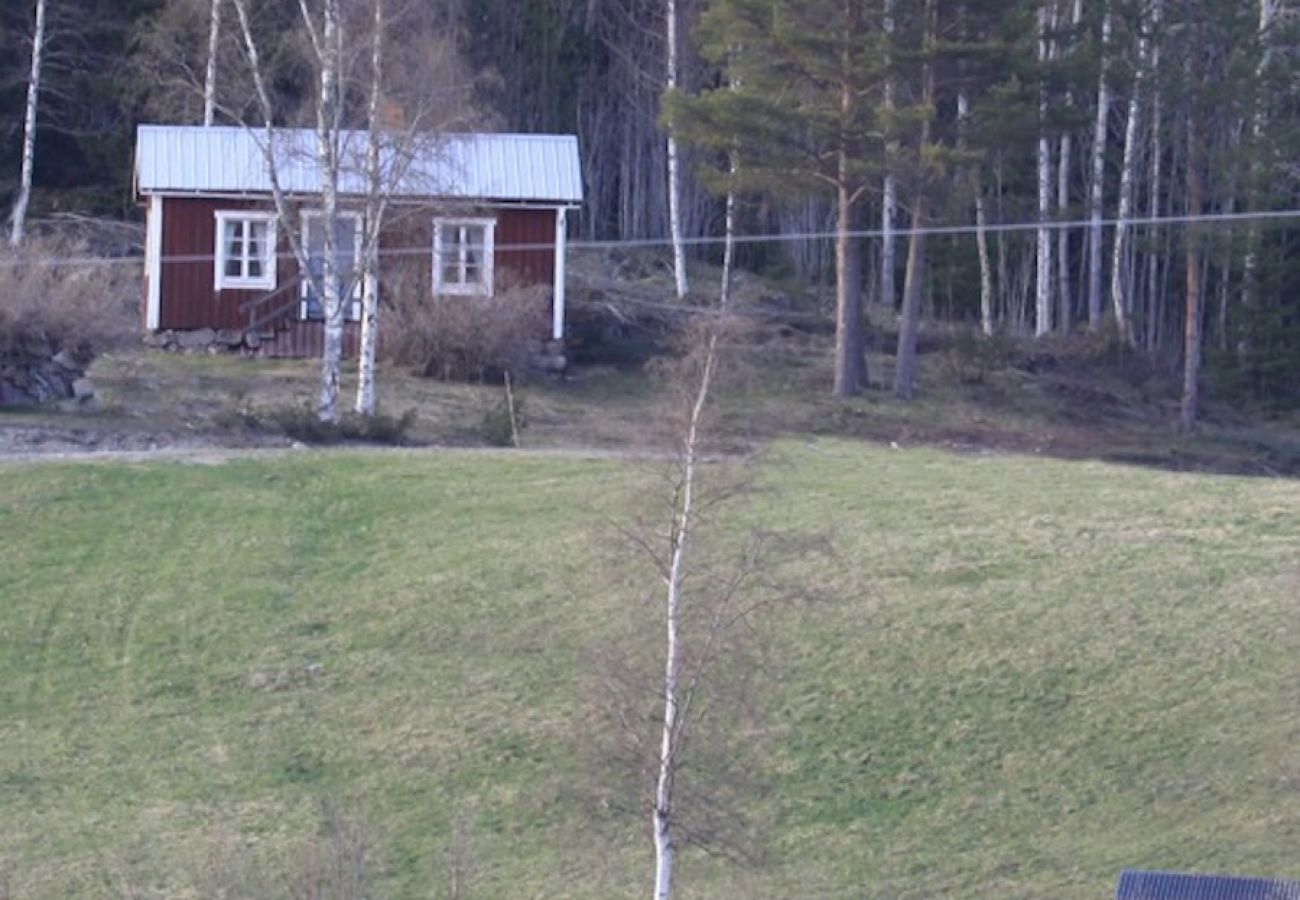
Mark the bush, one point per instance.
(466, 338)
(80, 307)
(300, 423)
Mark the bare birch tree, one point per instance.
(1121, 256)
(18, 218)
(1097, 183)
(1065, 287)
(674, 162)
(1043, 289)
(372, 223)
(210, 69)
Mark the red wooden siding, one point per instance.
(187, 298)
(306, 340)
(533, 229)
(189, 241)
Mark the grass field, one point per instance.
(1029, 674)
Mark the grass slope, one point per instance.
(1033, 674)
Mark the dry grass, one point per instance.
(81, 309)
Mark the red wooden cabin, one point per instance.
(466, 215)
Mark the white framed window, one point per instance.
(462, 256)
(347, 252)
(245, 257)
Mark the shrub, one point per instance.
(57, 298)
(300, 423)
(465, 338)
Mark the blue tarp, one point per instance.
(1179, 886)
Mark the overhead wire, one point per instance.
(714, 240)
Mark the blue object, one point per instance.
(1181, 886)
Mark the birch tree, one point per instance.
(674, 163)
(1097, 182)
(372, 224)
(210, 69)
(325, 41)
(1121, 262)
(1043, 289)
(1065, 287)
(18, 218)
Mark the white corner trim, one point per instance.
(153, 263)
(557, 302)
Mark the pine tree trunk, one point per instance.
(914, 281)
(1192, 331)
(1097, 187)
(1043, 290)
(18, 222)
(674, 173)
(1268, 10)
(850, 352)
(210, 76)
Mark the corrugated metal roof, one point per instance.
(509, 167)
(1177, 886)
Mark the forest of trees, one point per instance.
(993, 161)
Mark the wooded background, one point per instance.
(820, 116)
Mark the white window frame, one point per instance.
(482, 288)
(352, 311)
(268, 279)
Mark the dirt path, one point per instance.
(71, 447)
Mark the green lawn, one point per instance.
(1027, 674)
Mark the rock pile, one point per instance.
(204, 340)
(35, 382)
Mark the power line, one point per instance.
(770, 237)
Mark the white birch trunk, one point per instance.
(665, 842)
(1120, 275)
(18, 222)
(1043, 289)
(372, 226)
(328, 122)
(1065, 289)
(1097, 187)
(981, 224)
(674, 165)
(889, 190)
(210, 76)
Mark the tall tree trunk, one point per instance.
(850, 347)
(1065, 290)
(18, 220)
(1043, 290)
(987, 324)
(1192, 330)
(914, 281)
(889, 190)
(210, 76)
(674, 173)
(329, 112)
(1268, 10)
(1120, 274)
(372, 227)
(1097, 187)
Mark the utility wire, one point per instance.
(784, 237)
